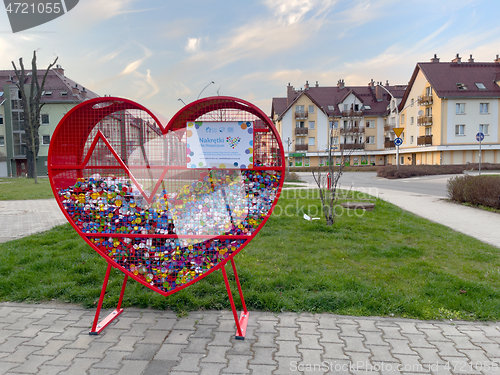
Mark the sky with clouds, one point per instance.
(159, 51)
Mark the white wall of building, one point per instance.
(322, 130)
(472, 119)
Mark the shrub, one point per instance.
(292, 177)
(405, 171)
(476, 190)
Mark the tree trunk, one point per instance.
(30, 101)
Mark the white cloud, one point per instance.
(89, 12)
(153, 86)
(193, 45)
(291, 11)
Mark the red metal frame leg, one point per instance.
(239, 286)
(98, 327)
(242, 322)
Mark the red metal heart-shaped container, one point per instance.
(166, 204)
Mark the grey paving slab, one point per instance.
(52, 338)
(276, 345)
(23, 218)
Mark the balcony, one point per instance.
(425, 100)
(352, 113)
(301, 115)
(352, 129)
(425, 140)
(301, 147)
(301, 131)
(389, 144)
(424, 120)
(352, 146)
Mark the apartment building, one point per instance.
(59, 96)
(351, 120)
(445, 106)
(442, 109)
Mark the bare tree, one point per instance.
(328, 182)
(30, 102)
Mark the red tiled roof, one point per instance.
(278, 106)
(329, 97)
(55, 82)
(444, 77)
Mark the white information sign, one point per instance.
(227, 144)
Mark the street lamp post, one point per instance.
(212, 82)
(288, 143)
(397, 121)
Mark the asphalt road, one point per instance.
(429, 185)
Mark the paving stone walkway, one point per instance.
(53, 339)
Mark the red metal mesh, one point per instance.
(122, 180)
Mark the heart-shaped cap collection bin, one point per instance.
(166, 204)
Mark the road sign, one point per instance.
(479, 137)
(398, 141)
(398, 131)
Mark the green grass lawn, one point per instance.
(23, 188)
(386, 262)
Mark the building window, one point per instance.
(299, 141)
(411, 139)
(311, 109)
(460, 108)
(428, 131)
(19, 141)
(306, 161)
(428, 111)
(412, 102)
(428, 91)
(483, 128)
(299, 108)
(45, 119)
(412, 120)
(459, 129)
(334, 124)
(403, 119)
(370, 124)
(334, 141)
(311, 141)
(484, 108)
(1, 119)
(370, 140)
(45, 140)
(2, 140)
(298, 162)
(300, 124)
(346, 107)
(311, 124)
